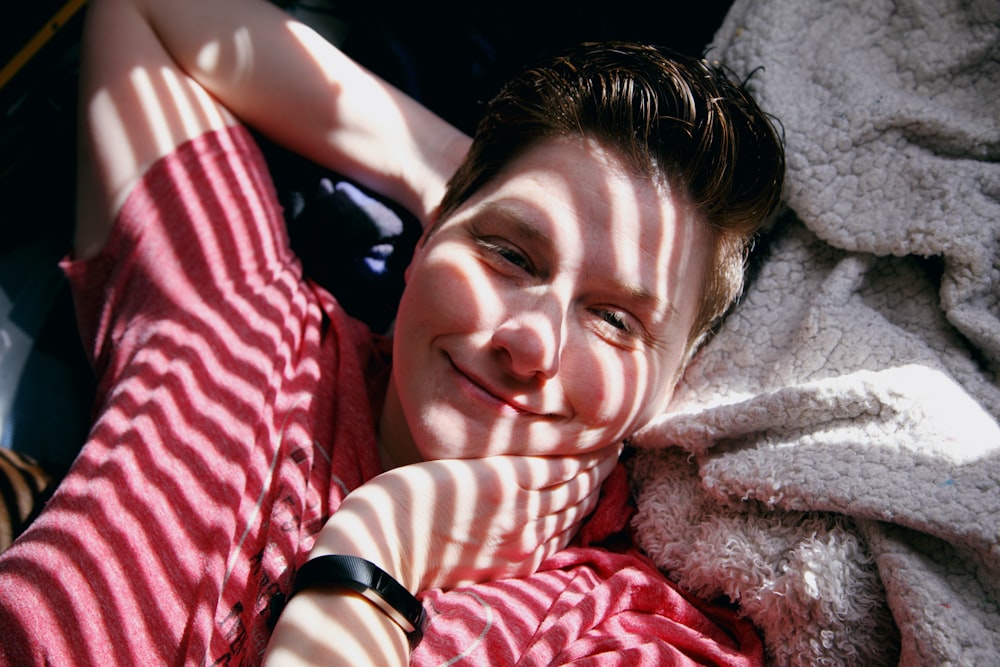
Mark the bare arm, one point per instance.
(160, 72)
(436, 524)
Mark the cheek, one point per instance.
(445, 293)
(614, 391)
(595, 381)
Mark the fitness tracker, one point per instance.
(370, 581)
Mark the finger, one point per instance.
(534, 541)
(540, 472)
(551, 531)
(607, 464)
(522, 557)
(584, 489)
(565, 521)
(557, 532)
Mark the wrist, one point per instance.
(368, 580)
(335, 626)
(349, 532)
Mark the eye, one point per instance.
(506, 254)
(618, 323)
(617, 320)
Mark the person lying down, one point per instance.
(267, 480)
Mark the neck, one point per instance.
(395, 443)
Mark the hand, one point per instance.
(441, 524)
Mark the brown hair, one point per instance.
(669, 116)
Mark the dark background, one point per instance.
(451, 59)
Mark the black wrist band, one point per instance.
(369, 580)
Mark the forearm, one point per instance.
(335, 627)
(440, 524)
(286, 81)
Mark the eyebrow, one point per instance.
(646, 298)
(513, 217)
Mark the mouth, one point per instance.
(482, 392)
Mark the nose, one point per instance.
(530, 341)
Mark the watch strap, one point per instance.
(369, 580)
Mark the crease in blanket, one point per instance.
(831, 460)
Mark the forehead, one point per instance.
(580, 199)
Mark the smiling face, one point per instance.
(547, 315)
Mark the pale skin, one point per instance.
(543, 355)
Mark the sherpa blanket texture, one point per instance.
(831, 461)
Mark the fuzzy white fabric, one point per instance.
(831, 461)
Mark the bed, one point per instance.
(831, 462)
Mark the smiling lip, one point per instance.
(483, 392)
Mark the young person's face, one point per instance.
(547, 315)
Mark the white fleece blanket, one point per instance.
(832, 459)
